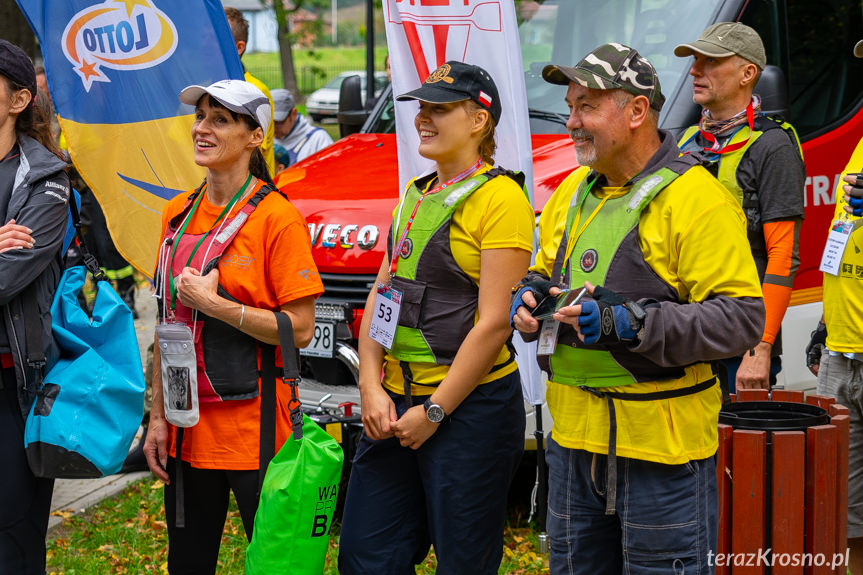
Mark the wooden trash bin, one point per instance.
(782, 471)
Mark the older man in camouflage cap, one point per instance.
(635, 403)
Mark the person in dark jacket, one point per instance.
(34, 193)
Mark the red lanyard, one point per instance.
(717, 149)
(465, 174)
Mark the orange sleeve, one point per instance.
(782, 239)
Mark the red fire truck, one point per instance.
(347, 192)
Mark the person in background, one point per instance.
(240, 31)
(758, 158)
(444, 430)
(294, 132)
(34, 195)
(835, 352)
(661, 249)
(235, 305)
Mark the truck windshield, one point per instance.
(564, 31)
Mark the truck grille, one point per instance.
(347, 288)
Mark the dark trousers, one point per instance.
(194, 549)
(450, 493)
(25, 501)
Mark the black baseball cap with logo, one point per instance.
(456, 81)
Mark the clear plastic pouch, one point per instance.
(179, 373)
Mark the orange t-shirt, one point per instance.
(268, 264)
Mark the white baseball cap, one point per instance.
(236, 95)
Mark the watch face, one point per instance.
(435, 413)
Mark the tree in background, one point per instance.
(285, 10)
(15, 29)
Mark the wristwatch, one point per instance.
(434, 412)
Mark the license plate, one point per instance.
(323, 342)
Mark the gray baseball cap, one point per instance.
(610, 67)
(727, 39)
(283, 103)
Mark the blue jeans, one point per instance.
(665, 521)
(450, 493)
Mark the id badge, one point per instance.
(548, 337)
(385, 319)
(837, 241)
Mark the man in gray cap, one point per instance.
(758, 158)
(632, 477)
(835, 353)
(294, 132)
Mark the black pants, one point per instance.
(194, 549)
(25, 501)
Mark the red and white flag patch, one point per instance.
(485, 99)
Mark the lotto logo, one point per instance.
(119, 35)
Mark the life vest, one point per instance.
(439, 300)
(728, 163)
(608, 253)
(227, 358)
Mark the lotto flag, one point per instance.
(115, 69)
(423, 35)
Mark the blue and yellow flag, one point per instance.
(115, 69)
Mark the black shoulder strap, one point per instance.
(90, 261)
(517, 177)
(290, 376)
(763, 122)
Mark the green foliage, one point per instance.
(314, 67)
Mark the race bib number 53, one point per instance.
(388, 303)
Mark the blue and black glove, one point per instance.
(855, 196)
(609, 318)
(539, 288)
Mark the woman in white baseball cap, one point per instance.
(233, 252)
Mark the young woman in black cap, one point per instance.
(444, 425)
(34, 191)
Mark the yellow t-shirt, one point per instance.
(843, 294)
(693, 235)
(496, 215)
(267, 146)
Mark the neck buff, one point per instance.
(726, 127)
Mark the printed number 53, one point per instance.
(385, 312)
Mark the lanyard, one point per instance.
(573, 239)
(225, 211)
(398, 249)
(717, 149)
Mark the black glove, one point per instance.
(539, 288)
(609, 318)
(817, 342)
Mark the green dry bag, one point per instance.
(298, 495)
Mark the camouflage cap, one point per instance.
(858, 49)
(610, 67)
(727, 39)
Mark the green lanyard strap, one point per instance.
(225, 211)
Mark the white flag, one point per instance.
(484, 33)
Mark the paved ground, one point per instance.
(76, 495)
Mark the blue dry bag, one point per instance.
(91, 401)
